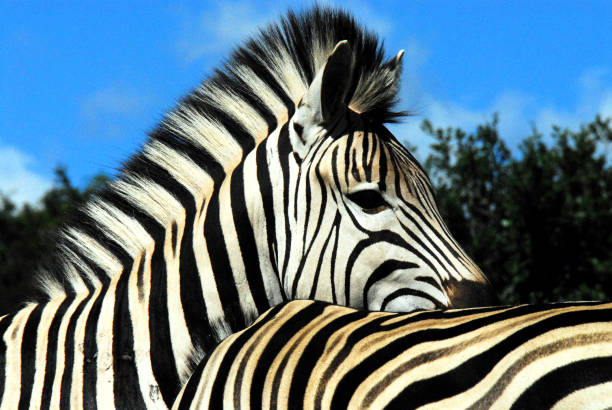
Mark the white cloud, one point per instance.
(105, 112)
(218, 29)
(594, 96)
(225, 24)
(114, 100)
(17, 180)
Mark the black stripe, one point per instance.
(382, 168)
(430, 281)
(275, 343)
(347, 156)
(90, 353)
(5, 322)
(305, 179)
(313, 352)
(162, 355)
(246, 240)
(216, 398)
(375, 143)
(192, 385)
(126, 387)
(364, 156)
(28, 356)
(306, 248)
(140, 165)
(375, 239)
(284, 149)
(192, 298)
(332, 262)
(235, 129)
(52, 352)
(338, 189)
(476, 368)
(140, 279)
(69, 350)
(277, 381)
(409, 292)
(315, 279)
(433, 254)
(174, 236)
(264, 183)
(221, 268)
(427, 391)
(246, 93)
(354, 168)
(262, 71)
(435, 231)
(383, 270)
(563, 381)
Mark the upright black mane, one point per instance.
(208, 133)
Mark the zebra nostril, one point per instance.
(466, 294)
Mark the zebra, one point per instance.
(313, 355)
(274, 180)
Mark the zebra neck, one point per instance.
(229, 248)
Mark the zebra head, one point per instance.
(365, 229)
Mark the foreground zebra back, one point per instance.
(275, 179)
(312, 355)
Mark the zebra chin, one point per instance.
(388, 297)
(409, 303)
(404, 300)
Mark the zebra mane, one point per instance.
(206, 135)
(259, 85)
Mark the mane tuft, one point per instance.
(206, 136)
(309, 37)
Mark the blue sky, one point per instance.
(82, 82)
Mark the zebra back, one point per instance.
(313, 355)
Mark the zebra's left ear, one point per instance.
(325, 101)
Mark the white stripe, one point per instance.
(230, 239)
(42, 343)
(12, 339)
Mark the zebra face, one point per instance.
(364, 225)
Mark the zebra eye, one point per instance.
(371, 201)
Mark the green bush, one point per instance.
(27, 235)
(539, 223)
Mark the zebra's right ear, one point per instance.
(325, 101)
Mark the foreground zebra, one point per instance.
(307, 354)
(274, 180)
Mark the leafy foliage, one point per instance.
(27, 235)
(539, 223)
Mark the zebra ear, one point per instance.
(336, 81)
(395, 65)
(326, 99)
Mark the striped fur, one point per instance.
(311, 355)
(274, 180)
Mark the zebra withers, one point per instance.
(311, 355)
(274, 180)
